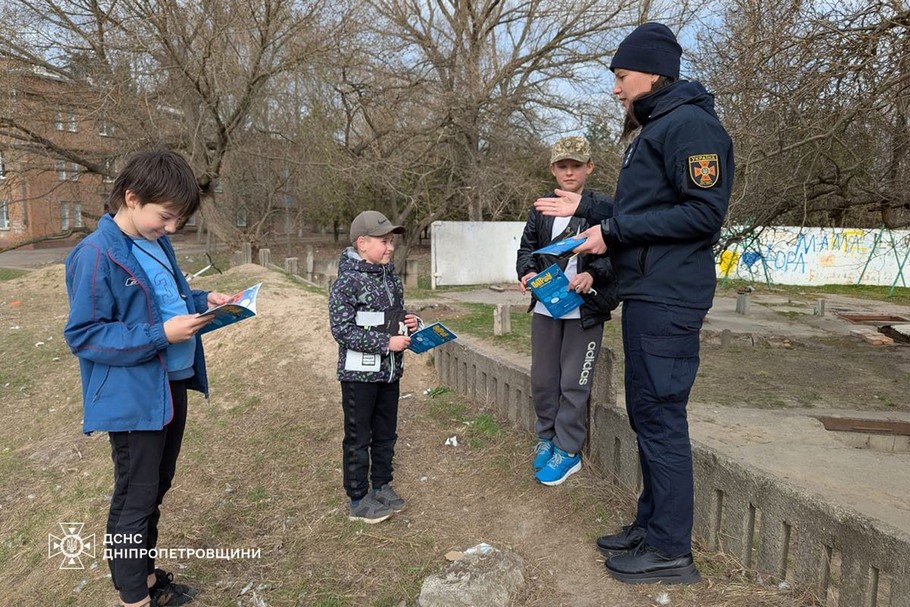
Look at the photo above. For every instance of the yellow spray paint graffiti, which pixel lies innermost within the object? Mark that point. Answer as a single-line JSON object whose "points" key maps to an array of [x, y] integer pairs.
{"points": [[727, 262]]}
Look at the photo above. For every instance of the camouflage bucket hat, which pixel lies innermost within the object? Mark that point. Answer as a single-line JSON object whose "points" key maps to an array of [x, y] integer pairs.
{"points": [[575, 148]]}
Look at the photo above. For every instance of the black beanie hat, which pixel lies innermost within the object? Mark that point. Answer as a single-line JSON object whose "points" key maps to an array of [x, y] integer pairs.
{"points": [[651, 48]]}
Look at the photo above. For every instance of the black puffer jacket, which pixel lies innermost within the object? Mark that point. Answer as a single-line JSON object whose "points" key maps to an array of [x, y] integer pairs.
{"points": [[596, 306]]}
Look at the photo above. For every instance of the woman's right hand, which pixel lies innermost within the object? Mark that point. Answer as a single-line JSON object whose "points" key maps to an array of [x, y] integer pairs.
{"points": [[563, 205]]}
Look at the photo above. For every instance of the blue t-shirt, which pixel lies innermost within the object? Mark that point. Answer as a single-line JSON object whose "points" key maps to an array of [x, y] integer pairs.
{"points": [[157, 266]]}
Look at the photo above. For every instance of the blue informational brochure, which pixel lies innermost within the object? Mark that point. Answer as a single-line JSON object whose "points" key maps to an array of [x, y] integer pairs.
{"points": [[240, 306], [551, 287], [429, 337], [561, 248]]}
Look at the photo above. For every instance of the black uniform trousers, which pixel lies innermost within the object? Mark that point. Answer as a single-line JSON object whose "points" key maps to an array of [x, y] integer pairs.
{"points": [[661, 345], [370, 432], [144, 467]]}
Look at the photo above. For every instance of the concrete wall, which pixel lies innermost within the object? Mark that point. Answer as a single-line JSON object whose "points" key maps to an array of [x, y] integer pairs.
{"points": [[818, 256], [473, 253], [777, 530]]}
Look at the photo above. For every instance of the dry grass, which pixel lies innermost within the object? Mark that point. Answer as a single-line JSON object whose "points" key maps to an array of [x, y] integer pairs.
{"points": [[260, 469]]}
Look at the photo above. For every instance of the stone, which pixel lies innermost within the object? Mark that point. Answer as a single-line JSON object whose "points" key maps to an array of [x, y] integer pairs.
{"points": [[488, 578]]}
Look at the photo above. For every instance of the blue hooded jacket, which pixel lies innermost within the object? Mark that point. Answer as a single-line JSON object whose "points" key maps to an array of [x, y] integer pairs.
{"points": [[671, 199], [116, 330]]}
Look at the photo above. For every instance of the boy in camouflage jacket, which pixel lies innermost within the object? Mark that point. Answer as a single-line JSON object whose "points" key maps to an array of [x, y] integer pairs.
{"points": [[366, 313]]}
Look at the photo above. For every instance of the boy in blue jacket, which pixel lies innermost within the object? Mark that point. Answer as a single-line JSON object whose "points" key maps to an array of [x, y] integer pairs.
{"points": [[366, 312], [133, 322]]}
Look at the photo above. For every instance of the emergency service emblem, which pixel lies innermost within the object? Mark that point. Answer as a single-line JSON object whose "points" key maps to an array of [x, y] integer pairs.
{"points": [[704, 169]]}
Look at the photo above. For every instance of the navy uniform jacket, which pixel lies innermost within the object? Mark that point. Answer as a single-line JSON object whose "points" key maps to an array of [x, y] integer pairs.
{"points": [[671, 199]]}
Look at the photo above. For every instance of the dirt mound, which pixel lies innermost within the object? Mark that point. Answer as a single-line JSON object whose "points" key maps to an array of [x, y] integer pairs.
{"points": [[260, 475]]}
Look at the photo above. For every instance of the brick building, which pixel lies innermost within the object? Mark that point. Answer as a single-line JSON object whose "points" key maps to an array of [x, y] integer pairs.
{"points": [[42, 194]]}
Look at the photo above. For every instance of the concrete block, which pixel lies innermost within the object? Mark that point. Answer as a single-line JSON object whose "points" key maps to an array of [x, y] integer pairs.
{"points": [[309, 260], [492, 578], [742, 303], [773, 535], [502, 319], [855, 582], [881, 442], [290, 266]]}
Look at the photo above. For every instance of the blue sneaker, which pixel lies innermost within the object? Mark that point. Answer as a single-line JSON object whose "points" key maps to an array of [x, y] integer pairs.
{"points": [[560, 467], [543, 451]]}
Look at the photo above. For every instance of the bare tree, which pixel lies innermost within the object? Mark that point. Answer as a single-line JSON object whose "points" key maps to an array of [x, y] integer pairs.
{"points": [[450, 104], [815, 97], [195, 77]]}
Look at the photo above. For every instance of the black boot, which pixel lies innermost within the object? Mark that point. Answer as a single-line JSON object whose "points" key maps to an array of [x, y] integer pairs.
{"points": [[627, 539], [647, 565]]}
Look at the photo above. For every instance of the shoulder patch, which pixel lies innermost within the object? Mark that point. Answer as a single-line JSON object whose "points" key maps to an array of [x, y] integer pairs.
{"points": [[704, 170]]}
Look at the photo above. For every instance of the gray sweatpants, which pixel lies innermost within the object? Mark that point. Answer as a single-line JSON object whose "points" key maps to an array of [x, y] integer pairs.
{"points": [[563, 356]]}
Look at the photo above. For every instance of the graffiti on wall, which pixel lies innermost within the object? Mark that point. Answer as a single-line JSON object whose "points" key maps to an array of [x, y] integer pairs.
{"points": [[816, 256]]}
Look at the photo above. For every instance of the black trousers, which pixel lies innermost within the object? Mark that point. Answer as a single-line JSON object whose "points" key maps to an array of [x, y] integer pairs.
{"points": [[661, 345], [370, 426], [144, 466]]}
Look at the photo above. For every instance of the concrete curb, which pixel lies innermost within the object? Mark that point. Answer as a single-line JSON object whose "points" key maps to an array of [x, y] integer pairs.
{"points": [[775, 529]]}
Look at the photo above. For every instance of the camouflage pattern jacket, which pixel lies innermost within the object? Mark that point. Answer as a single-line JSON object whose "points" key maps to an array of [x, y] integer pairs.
{"points": [[364, 289]]}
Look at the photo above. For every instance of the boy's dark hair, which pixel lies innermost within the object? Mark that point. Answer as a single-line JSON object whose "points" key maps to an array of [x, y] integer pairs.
{"points": [[156, 177]]}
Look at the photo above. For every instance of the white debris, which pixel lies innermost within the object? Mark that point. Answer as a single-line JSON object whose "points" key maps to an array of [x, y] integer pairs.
{"points": [[482, 548], [663, 599], [39, 344], [452, 440]]}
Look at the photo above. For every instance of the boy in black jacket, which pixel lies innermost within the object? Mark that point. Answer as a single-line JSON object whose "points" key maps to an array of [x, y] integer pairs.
{"points": [[564, 350], [366, 312]]}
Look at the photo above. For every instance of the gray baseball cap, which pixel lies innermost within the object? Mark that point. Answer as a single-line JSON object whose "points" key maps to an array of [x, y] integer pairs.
{"points": [[373, 223]]}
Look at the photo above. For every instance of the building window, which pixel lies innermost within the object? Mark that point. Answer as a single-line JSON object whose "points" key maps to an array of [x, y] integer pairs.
{"points": [[72, 122], [77, 215], [105, 129], [241, 218], [64, 216], [2, 166], [74, 171], [4, 215], [61, 170], [58, 121], [191, 221], [108, 170]]}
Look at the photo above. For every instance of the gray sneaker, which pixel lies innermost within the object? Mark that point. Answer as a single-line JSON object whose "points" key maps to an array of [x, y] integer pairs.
{"points": [[386, 495], [369, 510]]}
